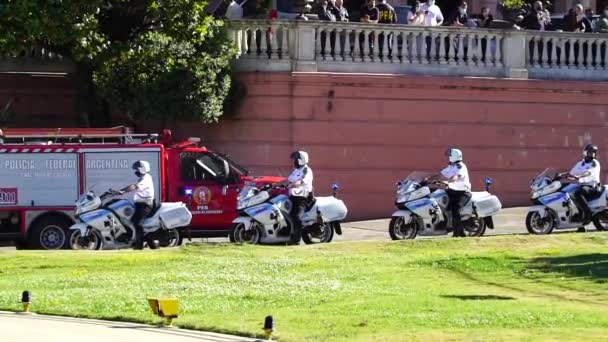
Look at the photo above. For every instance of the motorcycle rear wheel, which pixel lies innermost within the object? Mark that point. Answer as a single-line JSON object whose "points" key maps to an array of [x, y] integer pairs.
{"points": [[399, 230], [600, 222], [170, 238], [477, 231], [325, 234]]}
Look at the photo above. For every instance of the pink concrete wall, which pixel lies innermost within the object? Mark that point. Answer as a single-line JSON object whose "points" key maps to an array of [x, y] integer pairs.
{"points": [[366, 132]]}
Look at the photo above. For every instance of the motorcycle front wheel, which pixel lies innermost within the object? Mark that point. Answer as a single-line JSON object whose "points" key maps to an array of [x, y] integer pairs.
{"points": [[91, 242], [399, 230], [538, 225], [242, 235], [323, 233]]}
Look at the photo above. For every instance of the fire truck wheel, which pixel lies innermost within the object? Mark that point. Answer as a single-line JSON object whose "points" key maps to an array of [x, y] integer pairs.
{"points": [[50, 232]]}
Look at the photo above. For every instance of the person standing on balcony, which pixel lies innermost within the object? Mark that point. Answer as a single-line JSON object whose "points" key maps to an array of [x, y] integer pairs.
{"points": [[602, 24], [459, 18], [387, 16], [485, 20], [416, 18], [369, 14], [537, 19], [326, 13], [432, 17], [341, 14]]}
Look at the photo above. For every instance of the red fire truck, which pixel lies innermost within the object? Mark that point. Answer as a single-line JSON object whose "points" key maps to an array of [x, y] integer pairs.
{"points": [[43, 171]]}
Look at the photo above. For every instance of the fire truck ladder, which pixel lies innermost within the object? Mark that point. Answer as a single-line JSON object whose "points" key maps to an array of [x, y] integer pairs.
{"points": [[49, 136]]}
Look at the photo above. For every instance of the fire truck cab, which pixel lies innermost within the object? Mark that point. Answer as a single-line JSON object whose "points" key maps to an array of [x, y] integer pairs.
{"points": [[43, 171]]}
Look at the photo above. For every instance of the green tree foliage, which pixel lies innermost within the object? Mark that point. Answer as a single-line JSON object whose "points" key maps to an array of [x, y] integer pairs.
{"points": [[159, 59]]}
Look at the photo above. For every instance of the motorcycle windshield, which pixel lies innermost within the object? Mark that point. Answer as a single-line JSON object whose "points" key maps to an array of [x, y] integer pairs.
{"points": [[413, 181], [545, 177], [418, 176]]}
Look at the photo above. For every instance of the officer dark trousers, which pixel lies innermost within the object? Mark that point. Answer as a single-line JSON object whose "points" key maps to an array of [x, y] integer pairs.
{"points": [[298, 206], [581, 195], [457, 200], [142, 210]]}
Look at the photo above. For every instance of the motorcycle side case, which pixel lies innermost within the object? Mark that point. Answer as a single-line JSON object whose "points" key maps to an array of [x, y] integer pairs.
{"points": [[331, 208], [175, 216], [487, 206]]}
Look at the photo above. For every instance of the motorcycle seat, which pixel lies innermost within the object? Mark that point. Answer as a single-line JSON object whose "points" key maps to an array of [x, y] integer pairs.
{"points": [[597, 193]]}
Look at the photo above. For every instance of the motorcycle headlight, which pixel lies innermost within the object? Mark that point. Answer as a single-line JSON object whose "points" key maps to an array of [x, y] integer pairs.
{"points": [[403, 197], [535, 194], [242, 204]]}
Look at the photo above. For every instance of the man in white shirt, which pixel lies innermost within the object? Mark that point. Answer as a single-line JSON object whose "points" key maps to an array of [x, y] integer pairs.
{"points": [[143, 198], [300, 190], [587, 173], [432, 13], [459, 187], [432, 17]]}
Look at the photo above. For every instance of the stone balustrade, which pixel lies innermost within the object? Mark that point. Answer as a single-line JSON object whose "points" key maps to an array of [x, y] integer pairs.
{"points": [[398, 49]]}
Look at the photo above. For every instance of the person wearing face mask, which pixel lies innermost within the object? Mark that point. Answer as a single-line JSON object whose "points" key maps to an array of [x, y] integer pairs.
{"points": [[458, 190], [143, 198], [300, 191], [587, 173]]}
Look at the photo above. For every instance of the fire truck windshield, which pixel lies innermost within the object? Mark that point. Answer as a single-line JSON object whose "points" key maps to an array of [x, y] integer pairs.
{"points": [[240, 169]]}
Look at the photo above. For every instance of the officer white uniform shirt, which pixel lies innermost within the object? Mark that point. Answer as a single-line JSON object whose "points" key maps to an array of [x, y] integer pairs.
{"points": [[582, 167], [433, 16], [304, 174], [460, 184], [144, 192]]}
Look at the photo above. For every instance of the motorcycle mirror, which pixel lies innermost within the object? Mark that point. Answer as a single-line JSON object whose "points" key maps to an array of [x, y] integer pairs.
{"points": [[335, 187]]}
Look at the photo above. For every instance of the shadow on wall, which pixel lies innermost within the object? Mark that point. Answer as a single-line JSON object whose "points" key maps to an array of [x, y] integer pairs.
{"points": [[591, 266]]}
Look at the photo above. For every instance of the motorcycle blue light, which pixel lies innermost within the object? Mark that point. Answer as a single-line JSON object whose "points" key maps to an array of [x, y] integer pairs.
{"points": [[188, 191]]}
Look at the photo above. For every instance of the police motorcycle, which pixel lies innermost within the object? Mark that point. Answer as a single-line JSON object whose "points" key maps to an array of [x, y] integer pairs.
{"points": [[104, 222], [555, 208], [264, 217], [422, 209]]}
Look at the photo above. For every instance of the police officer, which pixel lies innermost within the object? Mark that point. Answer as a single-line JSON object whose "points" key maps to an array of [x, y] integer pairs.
{"points": [[143, 198], [587, 173], [300, 188], [459, 187], [387, 16]]}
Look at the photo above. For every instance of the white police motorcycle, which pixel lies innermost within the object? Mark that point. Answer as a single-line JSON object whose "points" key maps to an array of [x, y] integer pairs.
{"points": [[422, 209], [264, 217], [104, 222], [555, 207]]}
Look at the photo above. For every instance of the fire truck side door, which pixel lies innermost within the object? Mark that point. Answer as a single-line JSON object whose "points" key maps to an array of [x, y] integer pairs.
{"points": [[213, 187]]}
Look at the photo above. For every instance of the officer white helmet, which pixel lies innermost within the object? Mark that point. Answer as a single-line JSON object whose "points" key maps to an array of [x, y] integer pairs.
{"points": [[300, 158], [141, 167], [454, 155]]}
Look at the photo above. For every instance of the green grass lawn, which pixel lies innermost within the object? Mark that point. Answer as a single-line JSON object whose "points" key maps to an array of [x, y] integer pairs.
{"points": [[495, 288]]}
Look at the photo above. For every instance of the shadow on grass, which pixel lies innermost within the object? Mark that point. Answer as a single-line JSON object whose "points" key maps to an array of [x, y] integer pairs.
{"points": [[592, 266], [478, 297]]}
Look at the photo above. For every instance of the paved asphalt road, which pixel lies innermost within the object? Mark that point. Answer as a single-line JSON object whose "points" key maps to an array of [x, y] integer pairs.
{"points": [[509, 221], [34, 328]]}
